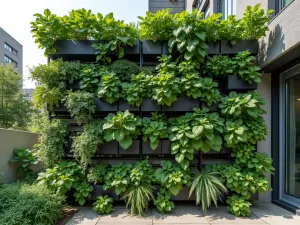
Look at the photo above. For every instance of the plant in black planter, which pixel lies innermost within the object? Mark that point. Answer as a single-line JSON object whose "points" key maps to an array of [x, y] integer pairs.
{"points": [[166, 88], [138, 88], [209, 91], [124, 69], [189, 37], [230, 29], [85, 145], [245, 68], [90, 77], [192, 84], [235, 133], [97, 173], [166, 65], [81, 105], [157, 26], [171, 177], [188, 67], [256, 129], [122, 127], [110, 87], [218, 66], [43, 95], [154, 128]]}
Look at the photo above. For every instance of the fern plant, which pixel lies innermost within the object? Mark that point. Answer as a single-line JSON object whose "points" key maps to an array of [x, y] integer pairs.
{"points": [[208, 188]]}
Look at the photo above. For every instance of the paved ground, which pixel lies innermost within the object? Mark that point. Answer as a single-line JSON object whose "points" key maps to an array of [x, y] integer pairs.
{"points": [[188, 215]]}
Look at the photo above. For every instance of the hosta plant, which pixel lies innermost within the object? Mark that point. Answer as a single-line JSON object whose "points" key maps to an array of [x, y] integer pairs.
{"points": [[208, 189], [189, 37], [81, 105], [154, 128], [122, 127], [82, 191], [246, 105], [118, 177], [85, 145], [110, 87], [103, 205], [166, 88], [138, 88], [238, 205], [163, 201], [171, 177], [157, 26], [97, 173]]}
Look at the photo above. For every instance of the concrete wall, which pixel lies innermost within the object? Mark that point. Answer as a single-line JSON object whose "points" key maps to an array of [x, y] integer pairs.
{"points": [[176, 6], [5, 37], [9, 140]]}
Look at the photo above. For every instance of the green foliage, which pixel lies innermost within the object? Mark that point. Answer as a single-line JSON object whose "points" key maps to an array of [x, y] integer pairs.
{"points": [[171, 177], [109, 88], [122, 127], [255, 22], [235, 133], [97, 173], [157, 26], [103, 205], [243, 65], [82, 191], [219, 66], [118, 177], [189, 37], [15, 111], [163, 202], [238, 206], [52, 141], [138, 197], [242, 154], [30, 204], [210, 92], [154, 128], [166, 88], [246, 105], [90, 76], [208, 188], [166, 65], [124, 69], [81, 105], [256, 130], [137, 89], [43, 96], [141, 173], [188, 66], [230, 29], [192, 84], [85, 145], [25, 158]]}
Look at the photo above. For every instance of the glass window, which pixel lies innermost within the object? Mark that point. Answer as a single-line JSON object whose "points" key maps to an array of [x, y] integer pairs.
{"points": [[227, 8], [10, 49], [284, 3], [292, 136], [9, 60]]}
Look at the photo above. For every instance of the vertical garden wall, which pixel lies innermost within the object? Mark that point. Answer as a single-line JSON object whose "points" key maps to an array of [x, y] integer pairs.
{"points": [[170, 104]]}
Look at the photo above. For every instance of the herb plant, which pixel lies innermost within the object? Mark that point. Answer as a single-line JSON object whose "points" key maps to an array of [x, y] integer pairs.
{"points": [[90, 76], [124, 69], [109, 88], [208, 188], [238, 206], [97, 173], [153, 129], [218, 66], [81, 105], [166, 65], [122, 127], [103, 205]]}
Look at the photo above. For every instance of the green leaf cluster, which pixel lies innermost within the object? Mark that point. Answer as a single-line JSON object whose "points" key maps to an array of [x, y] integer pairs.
{"points": [[141, 173], [171, 177], [110, 87], [90, 76], [163, 201], [81, 105], [103, 205], [82, 191], [124, 69], [122, 127], [154, 128], [97, 173], [238, 206]]}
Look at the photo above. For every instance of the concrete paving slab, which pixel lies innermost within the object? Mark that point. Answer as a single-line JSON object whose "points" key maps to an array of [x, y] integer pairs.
{"points": [[180, 215], [221, 216], [120, 215], [85, 216], [274, 215]]}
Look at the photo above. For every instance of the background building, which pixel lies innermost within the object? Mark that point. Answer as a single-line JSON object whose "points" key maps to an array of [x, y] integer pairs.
{"points": [[11, 51], [175, 5], [28, 93]]}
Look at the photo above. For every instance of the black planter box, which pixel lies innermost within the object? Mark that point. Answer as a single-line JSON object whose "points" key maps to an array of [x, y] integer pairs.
{"points": [[102, 105], [99, 191], [134, 149], [108, 148], [165, 147], [154, 48], [60, 108], [183, 195], [182, 104], [68, 148], [123, 105], [214, 48], [212, 108], [150, 105], [147, 150], [235, 82], [251, 45]]}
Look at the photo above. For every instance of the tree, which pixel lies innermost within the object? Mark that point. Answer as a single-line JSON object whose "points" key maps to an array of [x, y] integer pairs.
{"points": [[15, 111]]}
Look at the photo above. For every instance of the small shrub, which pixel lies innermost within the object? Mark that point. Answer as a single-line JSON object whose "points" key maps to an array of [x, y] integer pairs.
{"points": [[97, 173], [163, 202], [103, 205], [124, 69], [238, 206]]}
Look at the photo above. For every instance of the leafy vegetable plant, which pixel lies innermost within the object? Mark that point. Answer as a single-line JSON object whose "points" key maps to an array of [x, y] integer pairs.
{"points": [[122, 127], [97, 173], [163, 202], [110, 88], [238, 206], [124, 69], [103, 205], [82, 191], [90, 76], [218, 66]]}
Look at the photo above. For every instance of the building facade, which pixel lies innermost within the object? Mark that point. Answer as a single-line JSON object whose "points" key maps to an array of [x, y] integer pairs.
{"points": [[11, 51], [175, 5]]}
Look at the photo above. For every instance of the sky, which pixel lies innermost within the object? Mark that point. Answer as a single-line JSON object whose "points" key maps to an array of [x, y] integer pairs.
{"points": [[15, 18]]}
